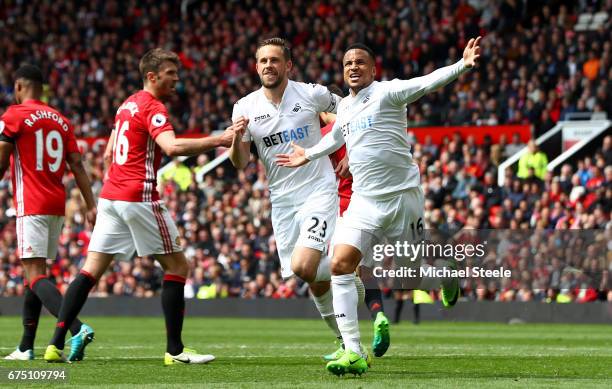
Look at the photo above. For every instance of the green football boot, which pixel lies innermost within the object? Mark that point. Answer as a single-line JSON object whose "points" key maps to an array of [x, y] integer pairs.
{"points": [[54, 355], [450, 289], [340, 352], [382, 338], [350, 362], [336, 354]]}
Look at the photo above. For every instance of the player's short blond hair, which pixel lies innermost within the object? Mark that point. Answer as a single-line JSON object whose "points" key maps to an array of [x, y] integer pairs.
{"points": [[279, 42], [153, 59]]}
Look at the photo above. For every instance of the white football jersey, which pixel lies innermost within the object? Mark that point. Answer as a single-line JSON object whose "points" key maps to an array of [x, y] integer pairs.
{"points": [[273, 128], [373, 125]]}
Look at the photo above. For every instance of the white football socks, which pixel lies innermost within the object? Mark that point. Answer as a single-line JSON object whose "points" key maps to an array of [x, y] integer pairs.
{"points": [[325, 306], [345, 307]]}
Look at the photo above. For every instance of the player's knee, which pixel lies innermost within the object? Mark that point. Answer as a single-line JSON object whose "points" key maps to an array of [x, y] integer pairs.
{"points": [[303, 271], [340, 267], [178, 272], [175, 264], [97, 263], [35, 267], [179, 268]]}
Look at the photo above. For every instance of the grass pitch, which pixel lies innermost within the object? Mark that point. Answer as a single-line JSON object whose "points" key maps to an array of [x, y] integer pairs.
{"points": [[287, 353]]}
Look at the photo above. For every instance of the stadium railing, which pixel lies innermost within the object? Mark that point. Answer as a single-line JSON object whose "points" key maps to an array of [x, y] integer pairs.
{"points": [[590, 132], [564, 141]]}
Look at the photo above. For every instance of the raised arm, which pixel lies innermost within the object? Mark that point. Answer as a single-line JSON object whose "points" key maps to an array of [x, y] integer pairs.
{"points": [[408, 91]]}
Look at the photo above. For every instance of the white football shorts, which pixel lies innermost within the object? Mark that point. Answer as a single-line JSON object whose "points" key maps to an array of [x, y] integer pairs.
{"points": [[311, 224], [123, 226], [38, 235], [369, 221]]}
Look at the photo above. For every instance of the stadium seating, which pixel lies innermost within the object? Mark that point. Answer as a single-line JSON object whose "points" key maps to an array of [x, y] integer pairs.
{"points": [[538, 65]]}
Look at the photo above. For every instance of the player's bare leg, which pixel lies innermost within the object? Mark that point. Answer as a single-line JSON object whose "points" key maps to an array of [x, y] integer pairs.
{"points": [[97, 263], [344, 263], [173, 304], [76, 296], [305, 264]]}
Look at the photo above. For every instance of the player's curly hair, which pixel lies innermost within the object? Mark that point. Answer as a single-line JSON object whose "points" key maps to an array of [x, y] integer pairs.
{"points": [[280, 42], [153, 59], [30, 74]]}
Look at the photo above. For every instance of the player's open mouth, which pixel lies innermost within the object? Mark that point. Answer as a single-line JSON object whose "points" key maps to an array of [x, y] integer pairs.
{"points": [[354, 76]]}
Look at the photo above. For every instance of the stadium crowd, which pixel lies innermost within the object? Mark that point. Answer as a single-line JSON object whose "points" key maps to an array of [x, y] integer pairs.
{"points": [[535, 69]]}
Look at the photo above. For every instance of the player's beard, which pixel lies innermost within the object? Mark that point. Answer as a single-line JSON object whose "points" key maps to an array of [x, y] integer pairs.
{"points": [[166, 92], [274, 84]]}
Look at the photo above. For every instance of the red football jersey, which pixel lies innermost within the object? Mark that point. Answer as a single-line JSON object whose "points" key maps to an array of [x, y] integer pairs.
{"points": [[132, 175], [345, 185], [43, 138]]}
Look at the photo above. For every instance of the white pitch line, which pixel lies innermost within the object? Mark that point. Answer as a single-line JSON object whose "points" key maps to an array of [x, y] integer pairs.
{"points": [[396, 347]]}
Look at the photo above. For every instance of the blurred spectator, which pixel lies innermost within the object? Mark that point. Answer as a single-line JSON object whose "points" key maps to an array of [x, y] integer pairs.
{"points": [[535, 69], [179, 173], [513, 147], [532, 163]]}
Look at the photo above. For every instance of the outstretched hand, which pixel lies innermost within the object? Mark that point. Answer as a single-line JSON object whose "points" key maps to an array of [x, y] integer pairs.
{"points": [[471, 52], [295, 159]]}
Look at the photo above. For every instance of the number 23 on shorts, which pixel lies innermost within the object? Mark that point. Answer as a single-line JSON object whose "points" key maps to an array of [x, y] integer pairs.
{"points": [[317, 224]]}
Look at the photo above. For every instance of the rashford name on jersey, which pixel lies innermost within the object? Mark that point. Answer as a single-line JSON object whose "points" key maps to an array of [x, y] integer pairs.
{"points": [[46, 114], [43, 138]]}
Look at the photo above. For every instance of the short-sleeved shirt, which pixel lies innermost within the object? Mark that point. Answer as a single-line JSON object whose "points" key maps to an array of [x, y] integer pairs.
{"points": [[43, 138], [273, 128], [132, 175]]}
